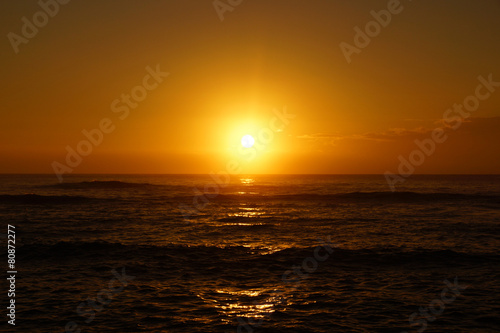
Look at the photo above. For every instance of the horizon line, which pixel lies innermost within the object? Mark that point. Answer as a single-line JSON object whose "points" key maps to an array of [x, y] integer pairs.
{"points": [[254, 174]]}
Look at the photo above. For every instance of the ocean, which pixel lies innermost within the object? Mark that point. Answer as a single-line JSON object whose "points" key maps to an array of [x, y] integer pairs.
{"points": [[253, 253]]}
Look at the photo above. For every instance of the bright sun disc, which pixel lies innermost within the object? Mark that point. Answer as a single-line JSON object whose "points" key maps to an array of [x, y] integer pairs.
{"points": [[247, 141]]}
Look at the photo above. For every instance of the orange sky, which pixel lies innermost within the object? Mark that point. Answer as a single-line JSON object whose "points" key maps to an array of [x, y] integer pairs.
{"points": [[230, 78]]}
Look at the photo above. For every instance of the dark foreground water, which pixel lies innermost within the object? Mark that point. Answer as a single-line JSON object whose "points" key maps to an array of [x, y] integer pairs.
{"points": [[261, 254]]}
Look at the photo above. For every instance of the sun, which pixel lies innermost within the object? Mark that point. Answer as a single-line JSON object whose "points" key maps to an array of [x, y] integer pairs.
{"points": [[247, 141]]}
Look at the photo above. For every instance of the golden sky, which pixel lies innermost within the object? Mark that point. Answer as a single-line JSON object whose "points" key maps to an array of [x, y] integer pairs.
{"points": [[236, 76]]}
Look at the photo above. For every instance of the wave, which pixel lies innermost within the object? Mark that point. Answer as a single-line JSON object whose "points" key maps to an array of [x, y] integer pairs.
{"points": [[207, 254], [35, 199], [486, 201], [98, 184], [368, 196]]}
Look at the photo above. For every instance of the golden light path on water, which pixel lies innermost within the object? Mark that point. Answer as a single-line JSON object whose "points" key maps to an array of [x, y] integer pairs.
{"points": [[251, 215], [227, 303], [246, 211], [253, 303], [247, 181]]}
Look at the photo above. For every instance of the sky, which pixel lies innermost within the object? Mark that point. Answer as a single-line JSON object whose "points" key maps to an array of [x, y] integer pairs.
{"points": [[172, 86]]}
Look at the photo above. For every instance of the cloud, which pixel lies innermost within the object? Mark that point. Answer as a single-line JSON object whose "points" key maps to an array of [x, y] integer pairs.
{"points": [[389, 135], [324, 139], [319, 136], [395, 134], [479, 126]]}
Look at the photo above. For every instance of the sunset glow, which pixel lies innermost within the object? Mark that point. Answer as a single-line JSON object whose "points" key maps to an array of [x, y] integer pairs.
{"points": [[181, 103], [250, 165]]}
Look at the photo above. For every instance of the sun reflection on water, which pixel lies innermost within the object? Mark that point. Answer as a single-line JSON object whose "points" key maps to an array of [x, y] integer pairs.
{"points": [[232, 303], [247, 181]]}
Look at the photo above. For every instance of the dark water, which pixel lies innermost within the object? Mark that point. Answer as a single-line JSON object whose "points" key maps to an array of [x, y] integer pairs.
{"points": [[261, 254]]}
